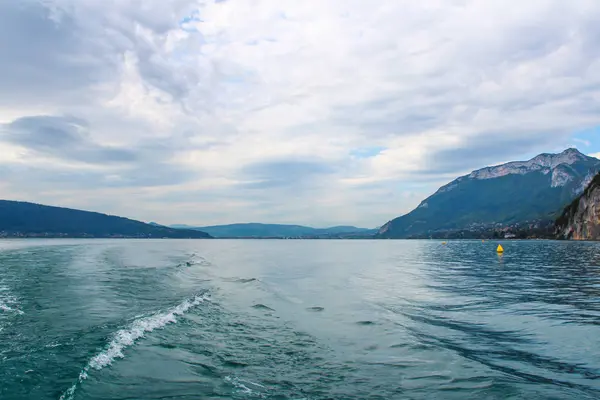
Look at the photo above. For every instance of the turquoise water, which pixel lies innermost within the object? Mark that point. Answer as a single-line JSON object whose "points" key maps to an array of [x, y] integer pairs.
{"points": [[120, 319]]}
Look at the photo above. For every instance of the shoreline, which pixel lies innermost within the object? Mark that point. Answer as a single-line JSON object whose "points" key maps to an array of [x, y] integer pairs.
{"points": [[24, 238]]}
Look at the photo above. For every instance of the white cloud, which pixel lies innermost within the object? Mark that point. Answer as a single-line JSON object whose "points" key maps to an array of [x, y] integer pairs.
{"points": [[252, 110]]}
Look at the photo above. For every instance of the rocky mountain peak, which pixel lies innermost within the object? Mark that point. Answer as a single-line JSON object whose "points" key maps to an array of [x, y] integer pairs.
{"points": [[569, 156], [544, 163]]}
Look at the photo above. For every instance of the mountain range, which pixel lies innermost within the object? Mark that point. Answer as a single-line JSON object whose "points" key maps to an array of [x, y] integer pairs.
{"points": [[516, 192], [258, 230], [21, 219], [525, 196]]}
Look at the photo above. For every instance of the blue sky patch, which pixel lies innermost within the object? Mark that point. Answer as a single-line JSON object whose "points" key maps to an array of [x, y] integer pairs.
{"points": [[367, 152], [588, 141], [187, 23]]}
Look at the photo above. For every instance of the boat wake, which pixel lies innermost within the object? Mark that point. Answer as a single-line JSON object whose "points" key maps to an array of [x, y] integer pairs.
{"points": [[128, 336]]}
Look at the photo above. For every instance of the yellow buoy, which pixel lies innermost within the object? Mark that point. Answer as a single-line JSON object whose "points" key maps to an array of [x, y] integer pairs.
{"points": [[443, 242], [500, 249]]}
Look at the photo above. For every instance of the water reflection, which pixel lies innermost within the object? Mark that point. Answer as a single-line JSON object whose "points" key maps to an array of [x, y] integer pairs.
{"points": [[512, 312]]}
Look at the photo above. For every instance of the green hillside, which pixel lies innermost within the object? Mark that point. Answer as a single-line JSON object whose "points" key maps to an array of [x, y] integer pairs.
{"points": [[21, 219]]}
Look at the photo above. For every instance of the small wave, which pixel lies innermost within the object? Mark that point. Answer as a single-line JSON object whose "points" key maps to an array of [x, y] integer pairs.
{"points": [[240, 280], [245, 280], [246, 387], [8, 303], [412, 346], [127, 337], [191, 263], [6, 308], [262, 307], [316, 309], [193, 260]]}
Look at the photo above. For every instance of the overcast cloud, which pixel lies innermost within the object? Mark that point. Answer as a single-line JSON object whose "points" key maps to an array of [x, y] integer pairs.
{"points": [[310, 112]]}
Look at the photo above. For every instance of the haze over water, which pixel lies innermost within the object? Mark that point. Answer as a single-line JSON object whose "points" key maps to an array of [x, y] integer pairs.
{"points": [[120, 319]]}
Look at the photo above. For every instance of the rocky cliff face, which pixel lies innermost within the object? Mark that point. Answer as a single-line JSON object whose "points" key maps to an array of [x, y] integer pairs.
{"points": [[581, 219]]}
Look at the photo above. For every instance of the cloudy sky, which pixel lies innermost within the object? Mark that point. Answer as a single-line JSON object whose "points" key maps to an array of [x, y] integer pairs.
{"points": [[316, 112]]}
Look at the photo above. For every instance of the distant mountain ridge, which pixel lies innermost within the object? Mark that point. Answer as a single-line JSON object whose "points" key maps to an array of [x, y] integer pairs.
{"points": [[514, 192], [22, 219], [258, 230]]}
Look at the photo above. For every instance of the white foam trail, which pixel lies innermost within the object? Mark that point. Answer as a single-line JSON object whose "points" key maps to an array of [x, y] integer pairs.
{"points": [[127, 337]]}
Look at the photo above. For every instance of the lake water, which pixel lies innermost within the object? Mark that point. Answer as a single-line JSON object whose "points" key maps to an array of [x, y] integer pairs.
{"points": [[283, 319]]}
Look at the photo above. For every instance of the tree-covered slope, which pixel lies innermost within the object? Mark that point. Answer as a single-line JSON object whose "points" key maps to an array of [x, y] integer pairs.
{"points": [[28, 219]]}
